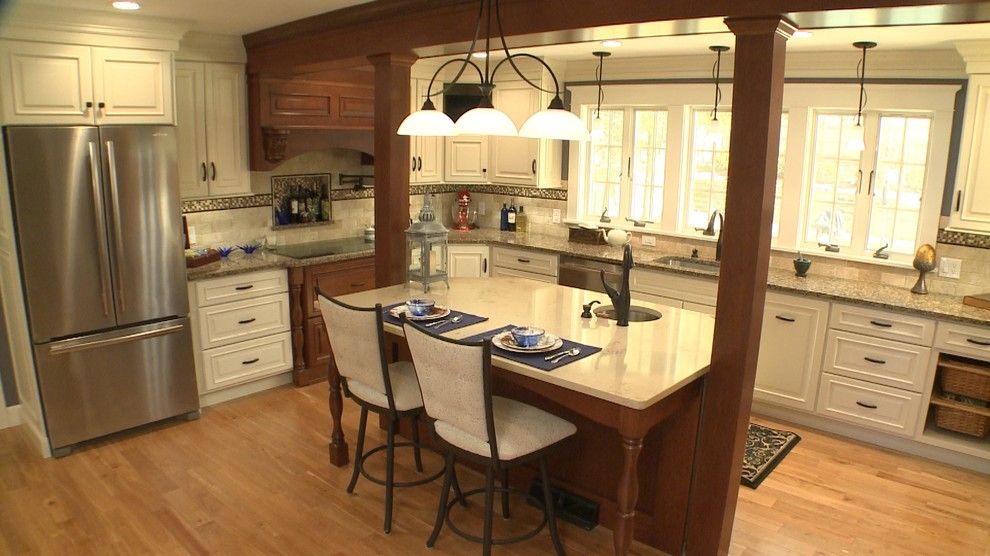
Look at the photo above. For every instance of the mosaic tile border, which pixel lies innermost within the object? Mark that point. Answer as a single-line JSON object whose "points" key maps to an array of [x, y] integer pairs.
{"points": [[964, 239], [226, 203], [522, 191]]}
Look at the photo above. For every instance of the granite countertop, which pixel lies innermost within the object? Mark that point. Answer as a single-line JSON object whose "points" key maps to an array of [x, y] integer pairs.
{"points": [[632, 370], [341, 249]]}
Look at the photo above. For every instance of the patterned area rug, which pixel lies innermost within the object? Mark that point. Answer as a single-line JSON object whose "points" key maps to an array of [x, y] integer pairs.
{"points": [[765, 448]]}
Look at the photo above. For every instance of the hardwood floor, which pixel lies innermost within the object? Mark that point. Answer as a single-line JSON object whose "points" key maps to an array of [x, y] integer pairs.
{"points": [[251, 477]]}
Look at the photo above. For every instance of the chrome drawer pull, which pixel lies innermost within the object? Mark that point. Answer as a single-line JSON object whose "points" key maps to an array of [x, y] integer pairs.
{"points": [[881, 324], [783, 318], [978, 342], [247, 321], [867, 405], [250, 361], [242, 288], [877, 361]]}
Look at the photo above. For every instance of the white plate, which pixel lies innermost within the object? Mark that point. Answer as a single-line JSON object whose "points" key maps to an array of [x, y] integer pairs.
{"points": [[548, 342], [439, 312]]}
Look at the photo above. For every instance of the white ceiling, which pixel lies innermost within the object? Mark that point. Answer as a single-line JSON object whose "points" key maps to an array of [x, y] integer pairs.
{"points": [[228, 17]]}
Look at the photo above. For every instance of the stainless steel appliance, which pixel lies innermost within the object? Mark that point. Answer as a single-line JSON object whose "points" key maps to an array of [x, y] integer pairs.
{"points": [[99, 233], [586, 274]]}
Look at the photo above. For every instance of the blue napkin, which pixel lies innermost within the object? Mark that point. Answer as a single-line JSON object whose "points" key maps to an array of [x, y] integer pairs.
{"points": [[537, 360], [467, 319]]}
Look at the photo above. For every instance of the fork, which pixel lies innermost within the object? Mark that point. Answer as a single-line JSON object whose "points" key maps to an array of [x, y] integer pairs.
{"points": [[443, 322]]}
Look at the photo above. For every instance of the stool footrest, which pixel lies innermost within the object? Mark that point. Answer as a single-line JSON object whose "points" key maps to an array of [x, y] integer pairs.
{"points": [[503, 540], [417, 482]]}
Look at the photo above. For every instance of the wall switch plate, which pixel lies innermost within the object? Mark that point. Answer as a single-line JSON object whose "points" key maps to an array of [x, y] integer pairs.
{"points": [[481, 208], [649, 241], [192, 235], [555, 218], [949, 268]]}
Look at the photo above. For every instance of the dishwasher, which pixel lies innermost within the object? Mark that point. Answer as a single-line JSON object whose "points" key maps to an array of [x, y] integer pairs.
{"points": [[586, 274]]}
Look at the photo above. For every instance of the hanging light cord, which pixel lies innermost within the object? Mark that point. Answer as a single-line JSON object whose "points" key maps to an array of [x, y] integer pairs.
{"points": [[601, 93], [861, 73], [716, 73]]}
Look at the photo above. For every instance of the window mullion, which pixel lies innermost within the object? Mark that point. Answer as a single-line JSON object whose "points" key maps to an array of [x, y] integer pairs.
{"points": [[864, 199], [625, 185]]}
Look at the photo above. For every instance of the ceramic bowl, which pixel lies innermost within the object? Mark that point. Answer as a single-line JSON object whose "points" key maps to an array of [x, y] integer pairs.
{"points": [[420, 307], [527, 336]]}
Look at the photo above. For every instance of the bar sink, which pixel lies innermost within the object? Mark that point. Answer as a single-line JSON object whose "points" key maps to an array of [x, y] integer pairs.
{"points": [[636, 313], [708, 266]]}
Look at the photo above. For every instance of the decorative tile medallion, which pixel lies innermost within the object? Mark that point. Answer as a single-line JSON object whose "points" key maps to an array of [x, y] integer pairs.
{"points": [[226, 203], [309, 186], [964, 239]]}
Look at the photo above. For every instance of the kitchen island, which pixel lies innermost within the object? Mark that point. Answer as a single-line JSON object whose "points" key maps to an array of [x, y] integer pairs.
{"points": [[635, 403]]}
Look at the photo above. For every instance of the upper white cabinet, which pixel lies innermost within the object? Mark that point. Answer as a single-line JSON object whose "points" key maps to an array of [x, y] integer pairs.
{"points": [[516, 159], [211, 113], [426, 165], [65, 84], [971, 200], [466, 159]]}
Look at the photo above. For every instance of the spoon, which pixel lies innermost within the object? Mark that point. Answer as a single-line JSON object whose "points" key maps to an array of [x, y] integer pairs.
{"points": [[440, 323], [569, 353]]}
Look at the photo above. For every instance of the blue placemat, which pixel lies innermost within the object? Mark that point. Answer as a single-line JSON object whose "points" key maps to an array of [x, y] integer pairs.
{"points": [[467, 319], [536, 359]]}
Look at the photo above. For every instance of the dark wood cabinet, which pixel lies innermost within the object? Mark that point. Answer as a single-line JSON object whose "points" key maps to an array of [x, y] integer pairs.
{"points": [[311, 352]]}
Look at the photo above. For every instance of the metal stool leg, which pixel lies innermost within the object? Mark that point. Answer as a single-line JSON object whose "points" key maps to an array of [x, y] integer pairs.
{"points": [[489, 495], [457, 490], [505, 493], [549, 507], [448, 478], [415, 439], [358, 451], [389, 473]]}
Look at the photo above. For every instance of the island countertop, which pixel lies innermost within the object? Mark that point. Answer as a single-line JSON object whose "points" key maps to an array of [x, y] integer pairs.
{"points": [[638, 366]]}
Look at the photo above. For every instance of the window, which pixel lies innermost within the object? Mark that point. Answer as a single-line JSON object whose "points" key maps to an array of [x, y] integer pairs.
{"points": [[650, 158], [606, 164], [902, 156], [836, 177]]}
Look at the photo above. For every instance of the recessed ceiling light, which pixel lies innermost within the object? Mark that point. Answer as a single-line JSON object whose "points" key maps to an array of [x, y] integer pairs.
{"points": [[611, 44], [479, 55], [125, 5], [802, 34]]}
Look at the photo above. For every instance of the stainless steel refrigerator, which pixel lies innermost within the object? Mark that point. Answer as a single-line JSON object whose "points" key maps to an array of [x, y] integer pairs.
{"points": [[99, 234]]}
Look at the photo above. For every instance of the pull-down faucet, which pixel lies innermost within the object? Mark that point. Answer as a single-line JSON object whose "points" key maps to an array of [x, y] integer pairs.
{"points": [[710, 231]]}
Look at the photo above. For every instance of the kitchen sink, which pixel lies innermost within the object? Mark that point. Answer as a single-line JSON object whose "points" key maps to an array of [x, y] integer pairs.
{"points": [[636, 313], [690, 263]]}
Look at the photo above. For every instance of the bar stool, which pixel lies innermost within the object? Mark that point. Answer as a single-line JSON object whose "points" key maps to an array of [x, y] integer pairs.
{"points": [[357, 339], [455, 378]]}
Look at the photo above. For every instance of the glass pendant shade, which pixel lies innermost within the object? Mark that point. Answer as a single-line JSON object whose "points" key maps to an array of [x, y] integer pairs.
{"points": [[597, 130], [555, 123], [856, 142], [427, 122], [485, 121]]}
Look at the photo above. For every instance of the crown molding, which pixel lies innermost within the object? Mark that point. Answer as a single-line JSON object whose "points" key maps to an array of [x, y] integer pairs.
{"points": [[976, 55], [91, 28], [209, 47]]}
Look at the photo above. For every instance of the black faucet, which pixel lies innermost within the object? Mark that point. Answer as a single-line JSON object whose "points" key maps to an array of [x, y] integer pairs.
{"points": [[710, 231], [622, 298]]}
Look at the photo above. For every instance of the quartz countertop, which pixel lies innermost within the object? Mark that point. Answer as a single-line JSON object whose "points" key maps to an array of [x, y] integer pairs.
{"points": [[638, 366]]}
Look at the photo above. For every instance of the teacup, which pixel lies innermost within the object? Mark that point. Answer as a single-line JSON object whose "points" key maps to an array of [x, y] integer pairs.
{"points": [[527, 336], [420, 307]]}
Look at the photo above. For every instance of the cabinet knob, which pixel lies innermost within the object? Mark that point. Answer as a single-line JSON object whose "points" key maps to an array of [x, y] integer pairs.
{"points": [[101, 105], [89, 104]]}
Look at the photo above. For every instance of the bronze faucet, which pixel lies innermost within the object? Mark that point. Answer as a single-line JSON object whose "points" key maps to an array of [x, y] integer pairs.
{"points": [[622, 298]]}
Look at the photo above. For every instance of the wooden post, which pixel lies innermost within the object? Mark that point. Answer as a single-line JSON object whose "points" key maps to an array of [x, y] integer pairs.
{"points": [[757, 90], [391, 166]]}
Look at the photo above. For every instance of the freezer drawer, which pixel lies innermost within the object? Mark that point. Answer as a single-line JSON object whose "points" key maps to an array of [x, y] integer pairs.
{"points": [[102, 383]]}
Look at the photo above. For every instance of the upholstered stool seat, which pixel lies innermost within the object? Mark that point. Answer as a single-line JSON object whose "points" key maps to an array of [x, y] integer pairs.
{"points": [[405, 389]]}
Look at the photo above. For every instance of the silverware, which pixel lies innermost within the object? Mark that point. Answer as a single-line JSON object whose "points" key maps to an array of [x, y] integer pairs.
{"points": [[555, 355], [440, 323], [569, 353]]}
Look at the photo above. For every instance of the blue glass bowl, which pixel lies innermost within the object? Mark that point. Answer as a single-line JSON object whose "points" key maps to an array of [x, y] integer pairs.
{"points": [[225, 251], [250, 248], [527, 336], [420, 307]]}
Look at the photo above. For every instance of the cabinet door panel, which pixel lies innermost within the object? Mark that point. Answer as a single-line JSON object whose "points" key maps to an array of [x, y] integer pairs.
{"points": [[514, 159], [791, 351], [226, 129], [467, 261], [46, 83], [467, 159], [972, 210], [135, 86], [190, 120]]}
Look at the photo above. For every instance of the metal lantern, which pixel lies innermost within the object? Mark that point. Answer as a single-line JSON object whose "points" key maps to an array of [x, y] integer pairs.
{"points": [[426, 248]]}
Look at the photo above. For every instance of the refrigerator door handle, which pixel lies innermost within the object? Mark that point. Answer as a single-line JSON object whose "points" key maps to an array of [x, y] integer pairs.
{"points": [[101, 231], [70, 346], [115, 213]]}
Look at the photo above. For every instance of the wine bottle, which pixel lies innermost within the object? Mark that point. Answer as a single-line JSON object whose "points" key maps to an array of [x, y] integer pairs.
{"points": [[512, 215], [503, 219], [325, 204], [522, 221]]}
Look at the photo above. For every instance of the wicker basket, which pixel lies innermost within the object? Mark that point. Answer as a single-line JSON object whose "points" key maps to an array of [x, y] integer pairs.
{"points": [[965, 379], [957, 417]]}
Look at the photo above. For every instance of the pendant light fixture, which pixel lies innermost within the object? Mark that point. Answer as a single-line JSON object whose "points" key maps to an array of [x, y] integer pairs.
{"points": [[717, 75], [858, 142], [597, 125], [552, 123]]}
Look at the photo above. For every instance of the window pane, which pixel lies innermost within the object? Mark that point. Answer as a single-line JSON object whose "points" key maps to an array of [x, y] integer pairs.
{"points": [[779, 188], [649, 157], [708, 166], [605, 160], [835, 178], [898, 182]]}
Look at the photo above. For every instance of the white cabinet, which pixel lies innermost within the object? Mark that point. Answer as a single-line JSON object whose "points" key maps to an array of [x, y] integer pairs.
{"points": [[466, 159], [515, 159], [426, 165], [66, 84], [467, 261], [211, 117], [240, 328], [791, 350], [524, 263], [971, 200], [862, 403]]}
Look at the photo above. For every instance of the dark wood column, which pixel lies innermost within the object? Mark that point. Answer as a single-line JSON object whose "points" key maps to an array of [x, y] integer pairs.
{"points": [[757, 89], [391, 166]]}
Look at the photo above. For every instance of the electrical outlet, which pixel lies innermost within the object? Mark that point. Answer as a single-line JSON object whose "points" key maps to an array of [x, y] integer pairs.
{"points": [[949, 268], [556, 216], [649, 241], [192, 235], [481, 208]]}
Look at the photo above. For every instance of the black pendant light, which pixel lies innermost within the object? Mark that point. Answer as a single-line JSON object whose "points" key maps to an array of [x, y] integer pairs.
{"points": [[861, 74], [716, 75], [596, 124]]}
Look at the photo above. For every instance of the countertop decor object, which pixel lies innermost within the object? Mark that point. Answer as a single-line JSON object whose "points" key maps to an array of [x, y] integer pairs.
{"points": [[924, 262], [527, 336], [200, 257], [801, 266], [555, 122], [420, 307], [981, 300], [225, 250], [426, 248]]}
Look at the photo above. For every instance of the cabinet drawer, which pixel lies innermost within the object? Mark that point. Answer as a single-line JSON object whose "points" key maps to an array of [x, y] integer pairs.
{"points": [[245, 361], [884, 324], [500, 271], [529, 261], [333, 279], [967, 340], [869, 405], [874, 360], [694, 290], [241, 286], [242, 320]]}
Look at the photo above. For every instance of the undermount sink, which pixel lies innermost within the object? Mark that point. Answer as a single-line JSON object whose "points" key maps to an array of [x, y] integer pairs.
{"points": [[690, 263], [636, 313]]}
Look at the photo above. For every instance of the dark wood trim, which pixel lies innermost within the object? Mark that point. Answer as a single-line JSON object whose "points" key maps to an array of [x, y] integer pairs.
{"points": [[753, 148]]}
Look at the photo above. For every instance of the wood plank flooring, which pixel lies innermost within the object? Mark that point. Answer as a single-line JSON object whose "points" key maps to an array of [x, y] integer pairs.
{"points": [[251, 477]]}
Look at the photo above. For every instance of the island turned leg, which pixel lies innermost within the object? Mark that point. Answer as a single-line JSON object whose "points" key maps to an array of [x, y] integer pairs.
{"points": [[628, 495], [338, 447]]}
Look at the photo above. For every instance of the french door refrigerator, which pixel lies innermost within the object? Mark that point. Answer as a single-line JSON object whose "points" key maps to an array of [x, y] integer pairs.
{"points": [[99, 234]]}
